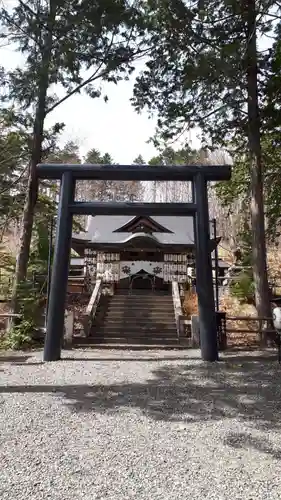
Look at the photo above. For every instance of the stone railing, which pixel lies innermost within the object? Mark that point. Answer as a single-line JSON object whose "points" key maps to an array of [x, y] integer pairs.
{"points": [[92, 308], [68, 329], [177, 307]]}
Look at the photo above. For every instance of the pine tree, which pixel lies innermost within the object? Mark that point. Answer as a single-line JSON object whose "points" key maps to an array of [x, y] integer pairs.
{"points": [[15, 148], [173, 191], [13, 164], [108, 190], [139, 160]]}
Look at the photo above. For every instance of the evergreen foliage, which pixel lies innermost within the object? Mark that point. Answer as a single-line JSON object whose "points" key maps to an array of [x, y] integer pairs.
{"points": [[206, 70]]}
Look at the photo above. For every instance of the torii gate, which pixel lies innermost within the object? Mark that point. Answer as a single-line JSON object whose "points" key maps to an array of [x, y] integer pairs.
{"points": [[199, 175]]}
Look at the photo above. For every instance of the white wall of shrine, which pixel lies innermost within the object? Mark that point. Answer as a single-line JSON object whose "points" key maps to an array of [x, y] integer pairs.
{"points": [[169, 272], [109, 268], [128, 268]]}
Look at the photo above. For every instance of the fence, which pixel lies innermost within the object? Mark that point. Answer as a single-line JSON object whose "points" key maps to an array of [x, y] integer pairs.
{"points": [[253, 333], [235, 331]]}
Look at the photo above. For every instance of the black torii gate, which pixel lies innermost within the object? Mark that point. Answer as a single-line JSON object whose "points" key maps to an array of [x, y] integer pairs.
{"points": [[199, 175]]}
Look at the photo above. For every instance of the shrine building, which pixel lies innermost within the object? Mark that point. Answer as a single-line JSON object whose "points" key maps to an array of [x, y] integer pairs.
{"points": [[139, 252]]}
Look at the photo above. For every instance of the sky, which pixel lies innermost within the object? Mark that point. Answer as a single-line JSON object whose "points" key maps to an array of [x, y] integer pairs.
{"points": [[112, 127]]}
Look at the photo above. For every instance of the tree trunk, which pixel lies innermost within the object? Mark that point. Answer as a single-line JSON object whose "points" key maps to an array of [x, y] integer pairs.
{"points": [[256, 169], [36, 154]]}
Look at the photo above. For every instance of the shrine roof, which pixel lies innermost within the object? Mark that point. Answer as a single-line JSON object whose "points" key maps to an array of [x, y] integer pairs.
{"points": [[106, 229]]}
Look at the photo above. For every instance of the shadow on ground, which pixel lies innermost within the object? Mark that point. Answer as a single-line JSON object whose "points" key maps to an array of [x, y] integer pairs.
{"points": [[19, 361], [247, 441], [269, 357], [238, 387], [14, 359]]}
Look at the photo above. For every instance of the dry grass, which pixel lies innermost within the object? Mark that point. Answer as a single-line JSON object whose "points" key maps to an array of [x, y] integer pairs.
{"points": [[234, 308], [225, 253], [274, 268], [190, 303]]}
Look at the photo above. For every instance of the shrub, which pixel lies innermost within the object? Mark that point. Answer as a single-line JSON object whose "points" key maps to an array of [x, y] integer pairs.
{"points": [[243, 287], [21, 333], [19, 336]]}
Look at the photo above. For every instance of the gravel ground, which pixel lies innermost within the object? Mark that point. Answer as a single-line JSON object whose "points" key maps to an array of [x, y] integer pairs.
{"points": [[140, 425]]}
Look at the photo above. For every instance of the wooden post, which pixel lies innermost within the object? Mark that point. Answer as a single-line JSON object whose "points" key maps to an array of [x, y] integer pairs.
{"points": [[204, 274], [55, 318]]}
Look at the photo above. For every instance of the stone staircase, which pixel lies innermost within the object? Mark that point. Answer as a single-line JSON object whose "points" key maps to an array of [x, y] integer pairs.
{"points": [[143, 318]]}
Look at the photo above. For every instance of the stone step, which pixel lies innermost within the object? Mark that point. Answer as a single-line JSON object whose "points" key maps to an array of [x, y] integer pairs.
{"points": [[76, 269], [141, 324], [148, 323], [140, 313], [163, 298], [127, 332], [99, 332], [140, 291], [75, 288], [131, 340], [76, 279], [141, 302], [144, 294], [137, 320], [82, 343], [143, 298], [136, 326], [139, 305], [128, 312]]}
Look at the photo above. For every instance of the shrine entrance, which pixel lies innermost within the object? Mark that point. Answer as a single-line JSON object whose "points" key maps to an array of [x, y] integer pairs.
{"points": [[198, 175], [142, 281]]}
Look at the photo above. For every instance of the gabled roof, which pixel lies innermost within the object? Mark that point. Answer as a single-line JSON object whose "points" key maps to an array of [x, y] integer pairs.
{"points": [[107, 229], [141, 223]]}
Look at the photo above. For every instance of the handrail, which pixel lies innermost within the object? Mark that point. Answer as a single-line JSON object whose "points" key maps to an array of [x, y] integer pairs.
{"points": [[248, 318], [177, 307], [92, 307]]}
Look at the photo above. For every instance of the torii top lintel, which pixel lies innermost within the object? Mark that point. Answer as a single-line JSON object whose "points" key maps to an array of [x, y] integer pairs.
{"points": [[135, 172]]}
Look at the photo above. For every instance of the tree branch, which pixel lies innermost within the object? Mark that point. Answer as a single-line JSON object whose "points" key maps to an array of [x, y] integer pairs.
{"points": [[91, 79], [15, 182], [16, 25]]}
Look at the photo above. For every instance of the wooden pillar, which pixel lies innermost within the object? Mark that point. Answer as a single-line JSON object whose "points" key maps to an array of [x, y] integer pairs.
{"points": [[58, 289], [204, 276]]}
